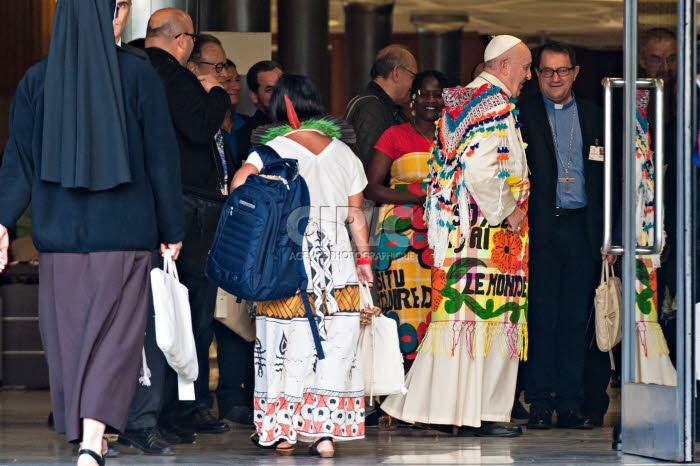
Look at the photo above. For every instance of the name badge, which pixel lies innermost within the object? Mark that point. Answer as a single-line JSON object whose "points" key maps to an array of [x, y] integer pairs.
{"points": [[596, 153]]}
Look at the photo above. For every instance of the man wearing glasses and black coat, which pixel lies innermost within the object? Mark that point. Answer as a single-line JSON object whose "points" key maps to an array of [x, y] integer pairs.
{"points": [[198, 105], [564, 134]]}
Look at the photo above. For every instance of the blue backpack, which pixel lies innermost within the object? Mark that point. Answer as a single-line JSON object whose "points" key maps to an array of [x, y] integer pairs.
{"points": [[256, 254]]}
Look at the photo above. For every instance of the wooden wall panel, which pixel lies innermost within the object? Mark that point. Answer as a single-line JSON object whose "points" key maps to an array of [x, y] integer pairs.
{"points": [[25, 27]]}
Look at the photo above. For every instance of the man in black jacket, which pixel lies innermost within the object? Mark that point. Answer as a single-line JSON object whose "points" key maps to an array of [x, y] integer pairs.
{"points": [[197, 105], [565, 155], [261, 80], [379, 106]]}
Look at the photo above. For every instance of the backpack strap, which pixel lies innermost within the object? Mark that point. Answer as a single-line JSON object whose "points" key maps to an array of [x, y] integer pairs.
{"points": [[312, 319]]}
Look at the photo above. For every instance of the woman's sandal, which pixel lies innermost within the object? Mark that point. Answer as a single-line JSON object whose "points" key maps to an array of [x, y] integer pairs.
{"points": [[282, 450], [327, 453], [387, 422], [86, 451]]}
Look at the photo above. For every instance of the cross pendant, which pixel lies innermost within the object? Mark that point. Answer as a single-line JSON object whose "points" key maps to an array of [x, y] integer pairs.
{"points": [[566, 180]]}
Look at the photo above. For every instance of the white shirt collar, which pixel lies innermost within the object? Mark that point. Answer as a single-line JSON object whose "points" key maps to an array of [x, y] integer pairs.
{"points": [[486, 77]]}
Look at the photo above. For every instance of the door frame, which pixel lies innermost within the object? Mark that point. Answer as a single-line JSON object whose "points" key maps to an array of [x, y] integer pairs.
{"points": [[658, 421]]}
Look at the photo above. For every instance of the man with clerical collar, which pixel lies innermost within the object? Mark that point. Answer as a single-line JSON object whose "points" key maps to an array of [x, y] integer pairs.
{"points": [[476, 209], [564, 134]]}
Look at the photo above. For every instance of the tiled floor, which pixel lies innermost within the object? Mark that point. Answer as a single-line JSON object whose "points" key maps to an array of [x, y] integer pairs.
{"points": [[25, 439]]}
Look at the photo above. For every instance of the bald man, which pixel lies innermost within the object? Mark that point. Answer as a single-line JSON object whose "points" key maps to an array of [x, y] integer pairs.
{"points": [[380, 105], [198, 105]]}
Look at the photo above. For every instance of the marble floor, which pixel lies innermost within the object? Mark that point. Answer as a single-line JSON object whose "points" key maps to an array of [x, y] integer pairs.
{"points": [[25, 439]]}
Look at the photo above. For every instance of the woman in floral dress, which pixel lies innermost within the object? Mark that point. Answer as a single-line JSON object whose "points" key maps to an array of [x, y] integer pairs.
{"points": [[403, 259]]}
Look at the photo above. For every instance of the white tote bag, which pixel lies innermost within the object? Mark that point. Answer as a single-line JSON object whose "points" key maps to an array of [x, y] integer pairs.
{"points": [[608, 311], [380, 356], [174, 334]]}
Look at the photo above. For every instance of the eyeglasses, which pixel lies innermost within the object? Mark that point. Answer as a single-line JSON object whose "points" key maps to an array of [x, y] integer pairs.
{"points": [[549, 72], [407, 70], [658, 61], [218, 67], [194, 37]]}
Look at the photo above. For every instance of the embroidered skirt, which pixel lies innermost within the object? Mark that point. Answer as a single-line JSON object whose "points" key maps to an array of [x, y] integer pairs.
{"points": [[298, 396]]}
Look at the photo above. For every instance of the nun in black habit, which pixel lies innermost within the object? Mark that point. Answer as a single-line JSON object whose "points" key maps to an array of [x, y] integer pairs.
{"points": [[93, 148]]}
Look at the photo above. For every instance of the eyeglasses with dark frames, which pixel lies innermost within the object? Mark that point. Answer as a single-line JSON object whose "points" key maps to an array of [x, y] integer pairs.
{"points": [[561, 72], [218, 67], [195, 37], [407, 70]]}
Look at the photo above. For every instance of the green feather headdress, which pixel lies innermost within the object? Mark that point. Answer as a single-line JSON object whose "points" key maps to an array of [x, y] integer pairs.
{"points": [[333, 127]]}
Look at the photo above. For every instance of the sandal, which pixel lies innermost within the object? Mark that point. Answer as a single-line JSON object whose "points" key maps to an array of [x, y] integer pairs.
{"points": [[387, 422], [284, 451], [327, 453], [85, 451]]}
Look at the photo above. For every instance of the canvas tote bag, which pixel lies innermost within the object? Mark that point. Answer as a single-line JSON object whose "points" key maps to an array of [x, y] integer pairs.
{"points": [[234, 315], [608, 310], [380, 356], [173, 320]]}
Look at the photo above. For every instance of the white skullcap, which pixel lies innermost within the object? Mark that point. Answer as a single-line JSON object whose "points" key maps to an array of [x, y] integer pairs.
{"points": [[499, 45]]}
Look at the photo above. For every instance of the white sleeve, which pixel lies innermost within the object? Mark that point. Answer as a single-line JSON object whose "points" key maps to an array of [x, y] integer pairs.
{"points": [[254, 159], [358, 181]]}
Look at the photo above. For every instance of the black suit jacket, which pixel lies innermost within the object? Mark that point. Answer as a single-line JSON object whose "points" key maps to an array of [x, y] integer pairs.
{"points": [[542, 162]]}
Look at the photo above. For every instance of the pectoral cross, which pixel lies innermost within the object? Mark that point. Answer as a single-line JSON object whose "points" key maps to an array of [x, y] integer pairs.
{"points": [[566, 180]]}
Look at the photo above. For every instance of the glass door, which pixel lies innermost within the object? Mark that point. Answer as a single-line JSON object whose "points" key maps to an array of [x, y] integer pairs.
{"points": [[653, 230]]}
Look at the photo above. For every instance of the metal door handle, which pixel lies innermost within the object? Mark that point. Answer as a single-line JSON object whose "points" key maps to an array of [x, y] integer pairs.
{"points": [[608, 247]]}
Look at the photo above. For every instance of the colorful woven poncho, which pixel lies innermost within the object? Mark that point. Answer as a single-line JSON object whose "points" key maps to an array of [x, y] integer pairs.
{"points": [[650, 335], [478, 174]]}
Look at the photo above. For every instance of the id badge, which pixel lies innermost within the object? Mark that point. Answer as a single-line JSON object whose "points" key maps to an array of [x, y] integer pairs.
{"points": [[596, 153]]}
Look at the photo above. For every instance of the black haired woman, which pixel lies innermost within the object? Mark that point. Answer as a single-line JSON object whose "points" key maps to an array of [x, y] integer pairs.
{"points": [[299, 397], [403, 257]]}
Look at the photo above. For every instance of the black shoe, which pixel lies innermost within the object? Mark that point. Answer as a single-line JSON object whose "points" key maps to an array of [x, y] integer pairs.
{"points": [[540, 418], [372, 419], [175, 436], [49, 421], [596, 420], [240, 415], [111, 452], [571, 419], [148, 440], [201, 420], [519, 413], [491, 429]]}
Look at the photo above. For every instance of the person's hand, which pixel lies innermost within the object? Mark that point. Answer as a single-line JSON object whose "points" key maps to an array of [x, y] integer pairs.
{"points": [[365, 275], [174, 249], [4, 247], [515, 220], [208, 82], [610, 258]]}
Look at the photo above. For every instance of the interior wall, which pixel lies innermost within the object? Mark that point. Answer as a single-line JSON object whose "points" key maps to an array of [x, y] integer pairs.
{"points": [[25, 31]]}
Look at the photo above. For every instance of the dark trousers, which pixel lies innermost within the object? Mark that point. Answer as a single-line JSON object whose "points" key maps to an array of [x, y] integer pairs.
{"points": [[202, 304], [596, 378], [146, 404], [202, 212], [236, 379], [561, 289]]}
